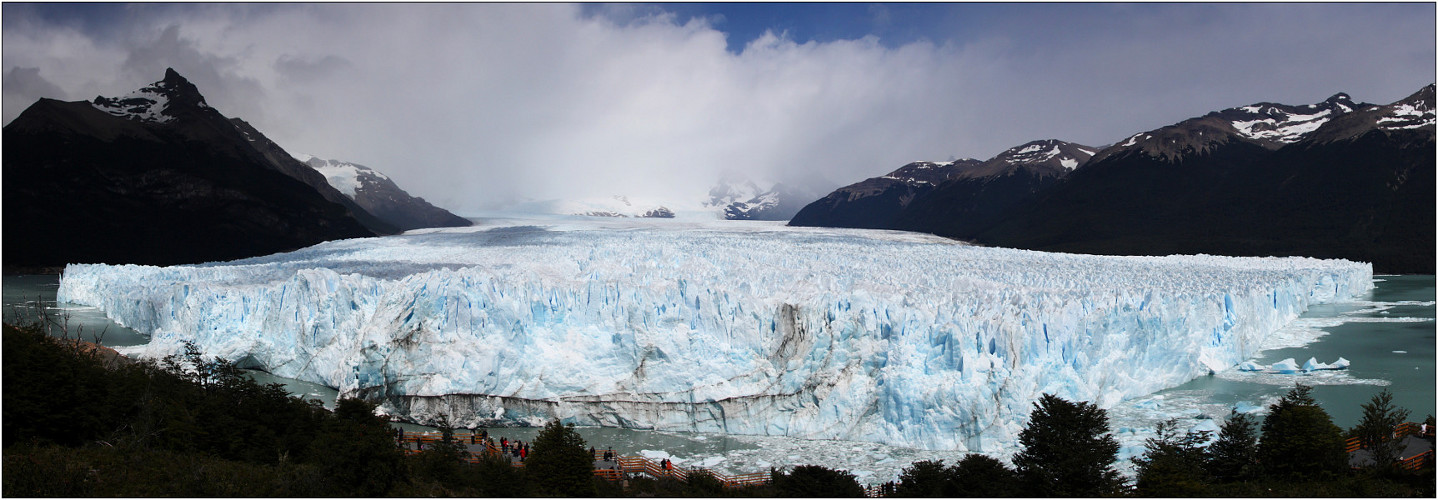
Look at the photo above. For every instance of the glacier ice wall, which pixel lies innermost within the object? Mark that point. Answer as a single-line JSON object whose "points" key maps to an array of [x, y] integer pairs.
{"points": [[879, 336]]}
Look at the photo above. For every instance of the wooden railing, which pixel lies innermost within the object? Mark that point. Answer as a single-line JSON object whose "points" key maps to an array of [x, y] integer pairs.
{"points": [[415, 442], [1414, 462]]}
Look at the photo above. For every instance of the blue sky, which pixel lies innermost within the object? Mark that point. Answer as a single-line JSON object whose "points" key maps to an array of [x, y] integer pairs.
{"points": [[475, 105]]}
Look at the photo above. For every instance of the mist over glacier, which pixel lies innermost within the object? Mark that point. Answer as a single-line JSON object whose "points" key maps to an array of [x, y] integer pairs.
{"points": [[743, 328]]}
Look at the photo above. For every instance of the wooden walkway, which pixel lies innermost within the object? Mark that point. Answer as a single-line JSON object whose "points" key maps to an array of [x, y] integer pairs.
{"points": [[622, 467], [1417, 452]]}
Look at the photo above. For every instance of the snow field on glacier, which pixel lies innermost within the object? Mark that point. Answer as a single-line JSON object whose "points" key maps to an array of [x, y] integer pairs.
{"points": [[740, 328]]}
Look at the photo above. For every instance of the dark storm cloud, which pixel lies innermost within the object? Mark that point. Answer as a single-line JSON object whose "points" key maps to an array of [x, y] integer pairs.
{"points": [[470, 105]]}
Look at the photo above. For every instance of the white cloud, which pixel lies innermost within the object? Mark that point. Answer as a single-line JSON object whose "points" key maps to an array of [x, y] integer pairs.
{"points": [[469, 104]]}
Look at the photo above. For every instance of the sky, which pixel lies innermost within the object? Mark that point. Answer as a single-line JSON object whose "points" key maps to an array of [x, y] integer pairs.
{"points": [[478, 106]]}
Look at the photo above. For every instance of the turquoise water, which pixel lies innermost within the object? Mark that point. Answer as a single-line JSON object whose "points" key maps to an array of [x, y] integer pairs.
{"points": [[1388, 336]]}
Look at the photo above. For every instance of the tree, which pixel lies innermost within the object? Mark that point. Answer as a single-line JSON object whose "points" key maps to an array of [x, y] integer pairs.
{"points": [[816, 481], [1172, 465], [1300, 440], [1067, 450], [559, 462], [1234, 456], [356, 451], [983, 476], [928, 478], [1375, 430]]}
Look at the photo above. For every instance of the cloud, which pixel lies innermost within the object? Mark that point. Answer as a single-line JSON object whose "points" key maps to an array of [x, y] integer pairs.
{"points": [[21, 83], [470, 105]]}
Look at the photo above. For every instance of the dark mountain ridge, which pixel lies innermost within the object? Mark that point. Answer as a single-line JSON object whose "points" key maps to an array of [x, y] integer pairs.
{"points": [[1335, 179], [155, 177], [874, 202]]}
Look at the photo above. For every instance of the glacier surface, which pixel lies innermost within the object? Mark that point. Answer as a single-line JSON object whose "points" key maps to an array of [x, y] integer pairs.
{"points": [[734, 327]]}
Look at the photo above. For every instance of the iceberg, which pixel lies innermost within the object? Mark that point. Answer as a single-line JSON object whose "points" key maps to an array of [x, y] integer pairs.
{"points": [[1313, 364], [760, 329], [1287, 366]]}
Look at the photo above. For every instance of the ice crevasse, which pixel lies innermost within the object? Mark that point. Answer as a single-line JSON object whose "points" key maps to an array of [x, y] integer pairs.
{"points": [[898, 338]]}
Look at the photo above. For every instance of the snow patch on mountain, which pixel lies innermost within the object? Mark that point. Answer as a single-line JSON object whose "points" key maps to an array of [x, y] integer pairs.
{"points": [[347, 177], [148, 104], [1282, 127]]}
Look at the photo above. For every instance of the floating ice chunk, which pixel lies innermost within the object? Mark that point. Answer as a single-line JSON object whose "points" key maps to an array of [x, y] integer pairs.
{"points": [[1288, 366], [1246, 407], [1312, 364], [1209, 425], [1250, 366], [656, 455]]}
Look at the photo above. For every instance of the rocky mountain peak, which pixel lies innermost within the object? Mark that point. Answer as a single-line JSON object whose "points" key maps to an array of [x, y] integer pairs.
{"points": [[159, 102]]}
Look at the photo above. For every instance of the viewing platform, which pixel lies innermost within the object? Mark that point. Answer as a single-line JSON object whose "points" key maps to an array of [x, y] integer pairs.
{"points": [[1416, 453], [476, 446]]}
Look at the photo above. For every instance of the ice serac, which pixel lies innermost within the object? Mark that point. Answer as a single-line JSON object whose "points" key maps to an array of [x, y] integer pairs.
{"points": [[877, 336]]}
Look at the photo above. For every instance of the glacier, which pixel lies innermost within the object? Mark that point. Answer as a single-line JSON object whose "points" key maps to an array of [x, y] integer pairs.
{"points": [[736, 327]]}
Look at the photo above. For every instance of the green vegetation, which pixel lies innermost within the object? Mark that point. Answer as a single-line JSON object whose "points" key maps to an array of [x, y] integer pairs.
{"points": [[74, 427], [560, 464], [1067, 450], [1299, 440], [1375, 431], [974, 476], [816, 481]]}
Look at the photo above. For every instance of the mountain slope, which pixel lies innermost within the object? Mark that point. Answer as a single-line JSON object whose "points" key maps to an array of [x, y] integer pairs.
{"points": [[1358, 184], [154, 177], [283, 162], [976, 197], [379, 195], [875, 202]]}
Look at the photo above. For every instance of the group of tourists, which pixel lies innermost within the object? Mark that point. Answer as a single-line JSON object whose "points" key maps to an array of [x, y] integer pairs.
{"points": [[516, 448], [519, 450], [608, 456]]}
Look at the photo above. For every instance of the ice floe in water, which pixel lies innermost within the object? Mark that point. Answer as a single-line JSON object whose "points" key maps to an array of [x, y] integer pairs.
{"points": [[748, 329]]}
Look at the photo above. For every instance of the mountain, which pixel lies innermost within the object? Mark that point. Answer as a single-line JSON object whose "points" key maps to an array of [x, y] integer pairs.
{"points": [[740, 198], [283, 162], [613, 206], [1336, 179], [975, 197], [379, 195], [154, 177], [875, 202]]}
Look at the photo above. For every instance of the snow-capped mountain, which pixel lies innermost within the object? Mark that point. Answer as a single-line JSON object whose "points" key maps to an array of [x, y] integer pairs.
{"points": [[1338, 178], [613, 206], [975, 197], [1045, 158], [881, 202], [159, 102], [379, 195], [740, 198], [155, 177], [1414, 112], [1267, 125], [1333, 179]]}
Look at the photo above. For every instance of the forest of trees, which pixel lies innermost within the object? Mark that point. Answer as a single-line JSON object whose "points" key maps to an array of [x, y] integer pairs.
{"points": [[76, 424]]}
